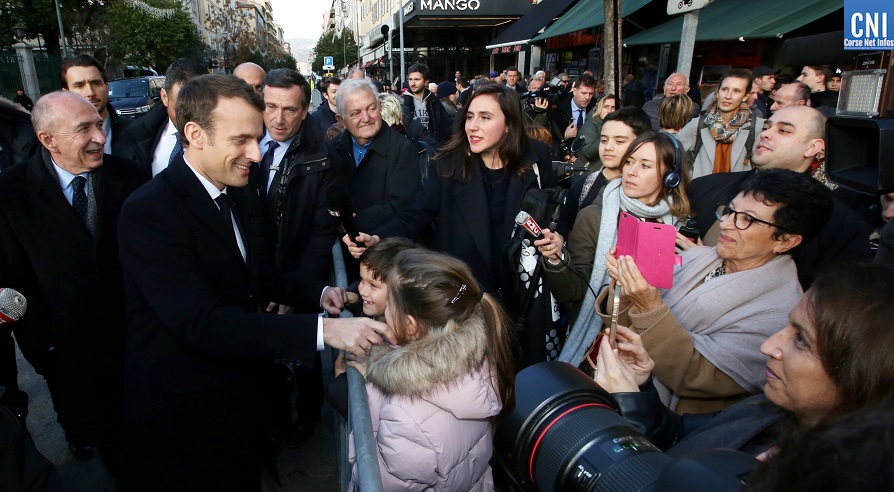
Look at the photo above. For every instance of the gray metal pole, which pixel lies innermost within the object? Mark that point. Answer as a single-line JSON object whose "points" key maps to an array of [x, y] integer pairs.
{"points": [[403, 64], [391, 57], [61, 30], [687, 42]]}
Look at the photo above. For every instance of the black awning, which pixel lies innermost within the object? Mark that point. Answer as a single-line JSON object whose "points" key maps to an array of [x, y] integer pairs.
{"points": [[530, 24]]}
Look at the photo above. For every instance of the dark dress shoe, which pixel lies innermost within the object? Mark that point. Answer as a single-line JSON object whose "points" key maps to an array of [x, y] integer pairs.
{"points": [[82, 453], [299, 434]]}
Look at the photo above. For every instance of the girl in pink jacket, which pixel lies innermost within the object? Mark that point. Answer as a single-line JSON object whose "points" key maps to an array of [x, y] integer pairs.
{"points": [[434, 398]]}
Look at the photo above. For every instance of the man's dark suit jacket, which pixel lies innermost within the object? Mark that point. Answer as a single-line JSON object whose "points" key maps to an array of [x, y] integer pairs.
{"points": [[385, 181], [198, 352], [142, 136], [842, 238], [296, 204], [120, 145], [560, 117], [73, 331]]}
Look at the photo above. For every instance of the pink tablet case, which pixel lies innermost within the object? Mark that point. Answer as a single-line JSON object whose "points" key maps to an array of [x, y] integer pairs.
{"points": [[652, 247]]}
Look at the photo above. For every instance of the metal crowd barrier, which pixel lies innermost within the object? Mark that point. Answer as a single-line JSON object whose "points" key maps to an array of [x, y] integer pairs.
{"points": [[369, 479]]}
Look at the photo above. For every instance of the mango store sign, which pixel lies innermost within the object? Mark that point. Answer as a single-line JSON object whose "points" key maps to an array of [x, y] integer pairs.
{"points": [[474, 8], [868, 25]]}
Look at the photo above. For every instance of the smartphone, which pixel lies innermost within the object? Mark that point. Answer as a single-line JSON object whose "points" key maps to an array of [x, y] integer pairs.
{"points": [[613, 328]]}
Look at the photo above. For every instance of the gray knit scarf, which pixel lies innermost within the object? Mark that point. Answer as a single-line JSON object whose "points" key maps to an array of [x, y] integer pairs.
{"points": [[588, 323]]}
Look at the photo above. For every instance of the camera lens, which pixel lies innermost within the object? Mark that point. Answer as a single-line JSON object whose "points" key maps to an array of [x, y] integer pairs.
{"points": [[565, 433]]}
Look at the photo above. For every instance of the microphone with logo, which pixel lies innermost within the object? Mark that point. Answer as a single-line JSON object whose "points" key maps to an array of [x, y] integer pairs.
{"points": [[12, 305], [339, 203]]}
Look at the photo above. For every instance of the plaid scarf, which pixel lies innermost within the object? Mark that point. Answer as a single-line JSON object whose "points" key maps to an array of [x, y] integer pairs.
{"points": [[728, 133]]}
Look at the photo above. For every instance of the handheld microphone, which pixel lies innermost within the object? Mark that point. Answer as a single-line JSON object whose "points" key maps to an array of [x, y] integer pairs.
{"points": [[525, 220], [12, 305], [338, 201]]}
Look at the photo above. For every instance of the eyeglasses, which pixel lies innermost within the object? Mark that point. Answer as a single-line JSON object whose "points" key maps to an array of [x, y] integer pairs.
{"points": [[566, 81], [742, 220]]}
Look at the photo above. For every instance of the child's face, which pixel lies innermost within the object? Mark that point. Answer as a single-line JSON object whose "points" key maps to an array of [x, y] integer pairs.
{"points": [[373, 292]]}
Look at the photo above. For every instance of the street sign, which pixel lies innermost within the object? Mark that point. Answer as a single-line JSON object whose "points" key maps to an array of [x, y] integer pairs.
{"points": [[327, 63], [679, 6]]}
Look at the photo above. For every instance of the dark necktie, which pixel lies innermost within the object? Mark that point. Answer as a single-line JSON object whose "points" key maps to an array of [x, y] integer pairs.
{"points": [[267, 163], [580, 118], [79, 199], [223, 202], [178, 148]]}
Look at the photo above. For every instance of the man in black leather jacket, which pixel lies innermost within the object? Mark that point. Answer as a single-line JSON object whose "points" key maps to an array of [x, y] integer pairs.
{"points": [[290, 183]]}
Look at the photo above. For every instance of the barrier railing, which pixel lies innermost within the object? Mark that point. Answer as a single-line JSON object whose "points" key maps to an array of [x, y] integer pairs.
{"points": [[369, 479]]}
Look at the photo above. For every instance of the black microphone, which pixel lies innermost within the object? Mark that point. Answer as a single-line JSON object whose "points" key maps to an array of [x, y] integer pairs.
{"points": [[12, 305], [339, 203]]}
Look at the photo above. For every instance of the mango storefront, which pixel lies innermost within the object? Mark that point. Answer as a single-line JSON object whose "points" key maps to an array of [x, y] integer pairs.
{"points": [[451, 35]]}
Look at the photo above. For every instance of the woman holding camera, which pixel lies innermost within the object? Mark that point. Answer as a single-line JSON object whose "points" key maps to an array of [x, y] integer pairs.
{"points": [[831, 359]]}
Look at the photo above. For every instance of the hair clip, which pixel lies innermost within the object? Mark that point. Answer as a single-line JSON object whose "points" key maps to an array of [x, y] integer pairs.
{"points": [[462, 290]]}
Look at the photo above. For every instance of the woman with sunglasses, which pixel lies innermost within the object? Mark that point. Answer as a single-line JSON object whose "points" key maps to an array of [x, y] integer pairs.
{"points": [[705, 332]]}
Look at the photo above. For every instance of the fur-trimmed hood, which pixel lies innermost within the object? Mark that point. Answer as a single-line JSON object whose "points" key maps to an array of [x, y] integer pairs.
{"points": [[438, 359]]}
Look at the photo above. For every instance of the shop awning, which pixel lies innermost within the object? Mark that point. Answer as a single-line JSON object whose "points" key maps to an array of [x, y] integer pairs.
{"points": [[731, 19], [528, 26], [585, 15]]}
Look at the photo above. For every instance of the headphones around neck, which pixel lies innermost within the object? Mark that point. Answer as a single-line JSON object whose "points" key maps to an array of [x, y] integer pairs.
{"points": [[673, 178]]}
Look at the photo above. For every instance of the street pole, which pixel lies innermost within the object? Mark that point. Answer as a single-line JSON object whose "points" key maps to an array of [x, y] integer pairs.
{"points": [[403, 63], [390, 57], [61, 30], [611, 39], [687, 43]]}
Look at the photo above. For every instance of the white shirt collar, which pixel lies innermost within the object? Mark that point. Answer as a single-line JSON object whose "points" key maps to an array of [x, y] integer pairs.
{"points": [[212, 190]]}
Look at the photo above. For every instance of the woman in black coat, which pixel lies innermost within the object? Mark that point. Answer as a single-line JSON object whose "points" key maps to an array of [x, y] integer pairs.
{"points": [[833, 358], [475, 188]]}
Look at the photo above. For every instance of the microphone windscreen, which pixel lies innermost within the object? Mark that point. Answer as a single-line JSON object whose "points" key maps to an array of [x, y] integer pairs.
{"points": [[338, 199], [12, 305]]}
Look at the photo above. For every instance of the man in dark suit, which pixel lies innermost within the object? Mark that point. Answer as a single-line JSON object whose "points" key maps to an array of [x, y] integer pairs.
{"points": [[198, 351], [84, 74], [152, 139], [793, 139], [291, 182], [58, 247], [568, 114]]}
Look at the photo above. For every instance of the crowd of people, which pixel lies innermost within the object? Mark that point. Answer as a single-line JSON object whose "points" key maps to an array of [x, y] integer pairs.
{"points": [[176, 265]]}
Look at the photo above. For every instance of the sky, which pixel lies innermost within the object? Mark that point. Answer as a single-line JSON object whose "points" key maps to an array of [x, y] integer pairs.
{"points": [[300, 18]]}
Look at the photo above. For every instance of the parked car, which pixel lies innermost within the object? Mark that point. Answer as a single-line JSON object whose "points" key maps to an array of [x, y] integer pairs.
{"points": [[135, 97]]}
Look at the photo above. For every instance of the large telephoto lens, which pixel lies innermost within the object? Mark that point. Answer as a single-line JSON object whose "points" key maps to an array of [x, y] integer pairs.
{"points": [[565, 434]]}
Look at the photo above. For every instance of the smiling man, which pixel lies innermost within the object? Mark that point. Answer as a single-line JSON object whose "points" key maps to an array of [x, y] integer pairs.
{"points": [[58, 219], [722, 139], [793, 139], [380, 162], [199, 355], [84, 75]]}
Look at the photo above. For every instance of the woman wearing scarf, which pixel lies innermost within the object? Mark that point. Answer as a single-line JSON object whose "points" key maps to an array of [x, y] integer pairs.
{"points": [[640, 191], [720, 138]]}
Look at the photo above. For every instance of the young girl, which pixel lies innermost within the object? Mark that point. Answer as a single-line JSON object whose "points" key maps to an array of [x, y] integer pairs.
{"points": [[434, 398], [374, 265]]}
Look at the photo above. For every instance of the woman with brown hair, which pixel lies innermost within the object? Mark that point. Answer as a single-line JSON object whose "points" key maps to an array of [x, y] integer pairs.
{"points": [[475, 188], [570, 271], [674, 112]]}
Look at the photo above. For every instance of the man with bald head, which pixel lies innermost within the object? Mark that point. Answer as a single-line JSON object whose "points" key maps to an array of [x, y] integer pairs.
{"points": [[794, 139], [676, 83], [793, 94], [58, 234], [252, 74]]}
